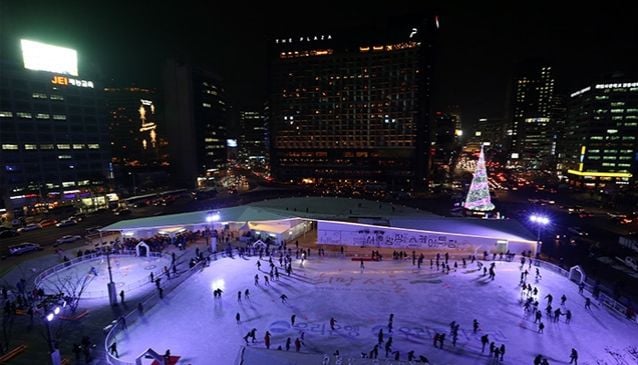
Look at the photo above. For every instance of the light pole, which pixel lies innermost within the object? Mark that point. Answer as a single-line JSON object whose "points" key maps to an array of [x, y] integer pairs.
{"points": [[53, 350], [210, 218], [540, 221]]}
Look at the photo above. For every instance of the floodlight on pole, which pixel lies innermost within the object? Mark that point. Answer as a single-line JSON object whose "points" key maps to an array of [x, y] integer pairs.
{"points": [[540, 221], [50, 317], [213, 217], [56, 311]]}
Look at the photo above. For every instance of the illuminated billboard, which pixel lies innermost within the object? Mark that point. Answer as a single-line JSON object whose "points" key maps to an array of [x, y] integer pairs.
{"points": [[45, 57], [231, 142]]}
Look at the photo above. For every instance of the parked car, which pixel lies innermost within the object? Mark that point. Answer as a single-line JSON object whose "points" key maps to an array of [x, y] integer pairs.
{"points": [[579, 231], [79, 217], [8, 233], [67, 222], [66, 239], [122, 211], [23, 248], [29, 227], [47, 223]]}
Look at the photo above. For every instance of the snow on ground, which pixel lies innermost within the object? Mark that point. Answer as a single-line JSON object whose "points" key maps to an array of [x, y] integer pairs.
{"points": [[202, 329], [129, 273]]}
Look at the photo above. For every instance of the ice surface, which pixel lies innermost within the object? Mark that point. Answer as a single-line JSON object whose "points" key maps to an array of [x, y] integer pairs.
{"points": [[202, 329]]}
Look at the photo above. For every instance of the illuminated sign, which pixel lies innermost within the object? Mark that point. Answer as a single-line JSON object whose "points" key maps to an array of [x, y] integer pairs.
{"points": [[63, 80], [615, 85], [599, 174], [45, 57], [231, 142], [582, 91]]}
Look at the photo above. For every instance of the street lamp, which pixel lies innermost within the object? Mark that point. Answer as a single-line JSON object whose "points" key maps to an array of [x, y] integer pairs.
{"points": [[53, 351], [211, 218], [540, 221]]}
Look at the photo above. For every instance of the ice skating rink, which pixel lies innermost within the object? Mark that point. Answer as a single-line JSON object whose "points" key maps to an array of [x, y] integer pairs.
{"points": [[202, 329], [129, 273]]}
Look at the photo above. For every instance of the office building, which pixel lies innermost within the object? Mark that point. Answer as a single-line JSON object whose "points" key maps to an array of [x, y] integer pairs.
{"points": [[253, 149], [352, 107], [444, 139], [196, 118], [529, 130], [601, 133], [54, 137]]}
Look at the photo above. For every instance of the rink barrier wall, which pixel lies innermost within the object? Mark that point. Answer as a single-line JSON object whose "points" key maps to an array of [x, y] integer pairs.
{"points": [[118, 328], [42, 276]]}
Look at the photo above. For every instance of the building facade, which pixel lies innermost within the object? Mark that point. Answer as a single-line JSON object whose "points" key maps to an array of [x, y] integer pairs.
{"points": [[444, 140], [529, 130], [196, 118], [54, 137], [601, 132], [350, 108], [253, 150]]}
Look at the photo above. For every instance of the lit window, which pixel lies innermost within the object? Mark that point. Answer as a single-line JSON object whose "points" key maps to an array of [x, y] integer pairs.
{"points": [[30, 147], [40, 96], [24, 115], [6, 114], [57, 97], [64, 157], [46, 146], [78, 146], [94, 146], [59, 117], [64, 146], [9, 146], [42, 116], [206, 105]]}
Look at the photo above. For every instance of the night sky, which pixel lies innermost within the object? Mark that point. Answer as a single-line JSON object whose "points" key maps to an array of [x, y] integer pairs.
{"points": [[128, 42]]}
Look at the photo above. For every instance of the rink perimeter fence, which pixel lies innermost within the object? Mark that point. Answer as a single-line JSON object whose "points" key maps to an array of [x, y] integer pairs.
{"points": [[41, 278], [117, 331]]}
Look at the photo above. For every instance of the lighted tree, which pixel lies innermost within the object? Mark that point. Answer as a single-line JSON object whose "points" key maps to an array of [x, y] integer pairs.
{"points": [[478, 197]]}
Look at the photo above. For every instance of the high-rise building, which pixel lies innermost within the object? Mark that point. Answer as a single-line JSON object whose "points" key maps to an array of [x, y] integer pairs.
{"points": [[530, 128], [601, 133], [444, 139], [253, 149], [196, 118], [138, 146], [488, 131], [353, 108], [54, 142]]}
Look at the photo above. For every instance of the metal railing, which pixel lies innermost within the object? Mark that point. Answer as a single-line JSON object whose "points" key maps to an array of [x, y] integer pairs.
{"points": [[43, 276], [117, 327]]}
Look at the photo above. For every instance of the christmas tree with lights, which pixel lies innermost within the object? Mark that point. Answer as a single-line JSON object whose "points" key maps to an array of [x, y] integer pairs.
{"points": [[478, 197]]}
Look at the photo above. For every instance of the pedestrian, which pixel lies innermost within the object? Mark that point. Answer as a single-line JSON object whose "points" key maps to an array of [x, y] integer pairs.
{"points": [[238, 317], [267, 339], [581, 287], [288, 342], [256, 279], [122, 296], [587, 303], [167, 356], [411, 355], [332, 323], [246, 294], [380, 336], [266, 282], [484, 341], [239, 296], [113, 350], [475, 326], [283, 297], [573, 357], [297, 344], [292, 319], [549, 298], [258, 265], [140, 308], [492, 347], [541, 327], [563, 299], [361, 265], [538, 359], [568, 316], [502, 351]]}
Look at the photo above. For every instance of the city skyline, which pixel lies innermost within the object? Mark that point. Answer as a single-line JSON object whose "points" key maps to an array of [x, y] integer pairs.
{"points": [[478, 46]]}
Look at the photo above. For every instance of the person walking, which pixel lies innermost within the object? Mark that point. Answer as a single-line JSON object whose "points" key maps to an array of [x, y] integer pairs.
{"points": [[297, 344], [484, 341], [288, 342], [247, 294], [573, 357], [332, 323], [587, 303], [292, 320], [475, 326], [113, 350], [267, 340], [502, 351], [256, 279], [238, 317], [122, 296], [284, 298], [541, 327], [239, 296], [563, 299]]}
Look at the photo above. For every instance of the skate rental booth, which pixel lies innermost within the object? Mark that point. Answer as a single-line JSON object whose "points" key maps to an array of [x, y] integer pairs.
{"points": [[342, 222]]}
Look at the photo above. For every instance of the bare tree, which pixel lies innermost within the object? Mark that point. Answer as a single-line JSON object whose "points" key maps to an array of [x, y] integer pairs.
{"points": [[72, 287]]}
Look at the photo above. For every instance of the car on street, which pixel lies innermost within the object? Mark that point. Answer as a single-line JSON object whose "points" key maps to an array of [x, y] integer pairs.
{"points": [[67, 222], [579, 231], [8, 233], [122, 211], [29, 227], [23, 248], [47, 223], [66, 239]]}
